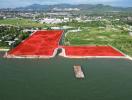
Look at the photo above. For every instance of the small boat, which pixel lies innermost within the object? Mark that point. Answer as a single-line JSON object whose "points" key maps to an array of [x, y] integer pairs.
{"points": [[78, 71]]}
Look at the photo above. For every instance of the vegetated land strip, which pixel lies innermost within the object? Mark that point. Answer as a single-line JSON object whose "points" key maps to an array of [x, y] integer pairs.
{"points": [[94, 36]]}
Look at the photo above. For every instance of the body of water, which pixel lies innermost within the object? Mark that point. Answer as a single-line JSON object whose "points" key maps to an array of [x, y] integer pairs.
{"points": [[54, 79]]}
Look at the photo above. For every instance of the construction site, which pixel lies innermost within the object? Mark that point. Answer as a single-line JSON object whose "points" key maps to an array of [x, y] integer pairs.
{"points": [[43, 69]]}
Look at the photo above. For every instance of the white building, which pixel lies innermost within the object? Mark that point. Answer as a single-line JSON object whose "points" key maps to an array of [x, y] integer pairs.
{"points": [[55, 28], [51, 20], [54, 20], [130, 33], [77, 30], [78, 19]]}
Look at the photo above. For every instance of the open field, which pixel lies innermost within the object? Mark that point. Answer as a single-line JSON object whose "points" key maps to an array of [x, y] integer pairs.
{"points": [[31, 79], [92, 51], [101, 36], [21, 22], [45, 44], [107, 32], [40, 43], [25, 23]]}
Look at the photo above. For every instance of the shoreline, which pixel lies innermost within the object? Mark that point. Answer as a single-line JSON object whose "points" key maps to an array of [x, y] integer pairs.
{"points": [[70, 51]]}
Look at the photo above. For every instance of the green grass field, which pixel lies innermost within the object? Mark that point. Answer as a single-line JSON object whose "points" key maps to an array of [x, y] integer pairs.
{"points": [[21, 22], [25, 23], [96, 36]]}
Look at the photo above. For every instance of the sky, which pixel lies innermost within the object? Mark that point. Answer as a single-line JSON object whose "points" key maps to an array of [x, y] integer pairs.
{"points": [[22, 3]]}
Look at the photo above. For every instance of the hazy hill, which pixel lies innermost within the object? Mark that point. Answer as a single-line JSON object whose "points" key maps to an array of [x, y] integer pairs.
{"points": [[98, 7]]}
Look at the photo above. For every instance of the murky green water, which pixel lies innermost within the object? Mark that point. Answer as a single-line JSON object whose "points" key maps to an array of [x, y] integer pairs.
{"points": [[39, 79]]}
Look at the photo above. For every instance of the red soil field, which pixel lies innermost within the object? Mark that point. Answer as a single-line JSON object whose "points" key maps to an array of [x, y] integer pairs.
{"points": [[41, 43], [91, 51]]}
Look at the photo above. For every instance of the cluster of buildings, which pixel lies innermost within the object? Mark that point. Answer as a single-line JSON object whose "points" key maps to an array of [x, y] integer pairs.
{"points": [[66, 9], [53, 20]]}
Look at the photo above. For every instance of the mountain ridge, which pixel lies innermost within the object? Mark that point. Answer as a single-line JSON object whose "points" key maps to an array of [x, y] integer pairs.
{"points": [[91, 7]]}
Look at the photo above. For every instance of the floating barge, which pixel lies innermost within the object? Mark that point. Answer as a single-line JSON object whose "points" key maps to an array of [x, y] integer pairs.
{"points": [[78, 71]]}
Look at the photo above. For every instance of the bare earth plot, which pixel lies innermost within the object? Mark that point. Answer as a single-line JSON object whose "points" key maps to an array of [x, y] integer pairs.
{"points": [[44, 44], [92, 51], [40, 44]]}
